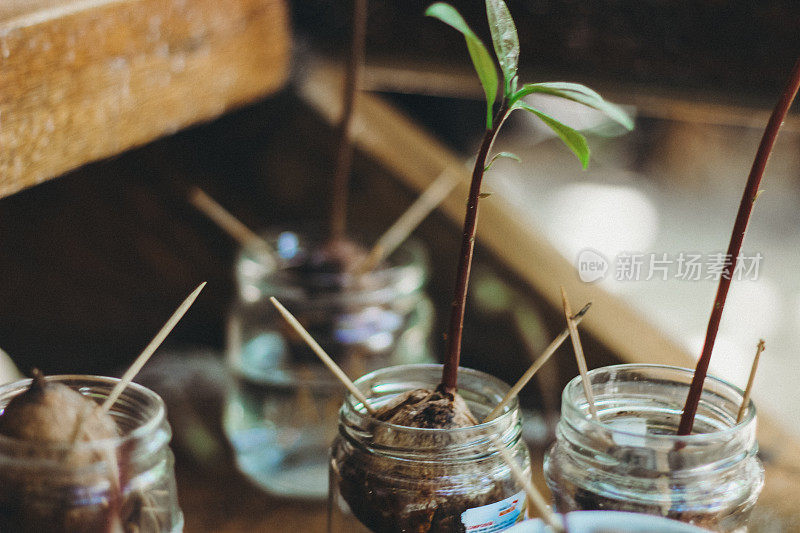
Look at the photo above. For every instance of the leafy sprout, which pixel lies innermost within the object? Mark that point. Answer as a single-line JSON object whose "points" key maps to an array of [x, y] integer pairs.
{"points": [[506, 48], [484, 64]]}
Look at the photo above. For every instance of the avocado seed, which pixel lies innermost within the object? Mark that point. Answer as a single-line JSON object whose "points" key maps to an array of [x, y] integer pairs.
{"points": [[52, 413]]}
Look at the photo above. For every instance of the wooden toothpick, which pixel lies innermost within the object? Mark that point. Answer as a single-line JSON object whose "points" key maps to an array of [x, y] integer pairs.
{"points": [[408, 221], [530, 489], [233, 226], [579, 357], [151, 348], [324, 357], [537, 364], [749, 388], [138, 363]]}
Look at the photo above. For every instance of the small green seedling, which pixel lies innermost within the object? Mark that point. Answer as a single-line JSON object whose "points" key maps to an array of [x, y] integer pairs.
{"points": [[498, 108]]}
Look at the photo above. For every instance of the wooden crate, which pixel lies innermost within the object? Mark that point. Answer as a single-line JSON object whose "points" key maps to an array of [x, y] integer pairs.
{"points": [[82, 80]]}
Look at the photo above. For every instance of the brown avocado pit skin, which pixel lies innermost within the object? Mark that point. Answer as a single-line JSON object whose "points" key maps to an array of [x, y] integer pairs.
{"points": [[48, 498], [432, 409], [390, 496], [51, 412]]}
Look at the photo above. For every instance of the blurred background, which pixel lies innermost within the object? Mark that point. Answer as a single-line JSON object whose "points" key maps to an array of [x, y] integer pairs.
{"points": [[95, 261]]}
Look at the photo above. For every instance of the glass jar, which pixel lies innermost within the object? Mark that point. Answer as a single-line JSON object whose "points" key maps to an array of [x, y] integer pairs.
{"points": [[281, 407], [632, 459], [122, 484], [390, 478]]}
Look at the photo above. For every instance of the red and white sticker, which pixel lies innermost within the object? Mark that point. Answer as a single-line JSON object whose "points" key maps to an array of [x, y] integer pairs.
{"points": [[495, 516]]}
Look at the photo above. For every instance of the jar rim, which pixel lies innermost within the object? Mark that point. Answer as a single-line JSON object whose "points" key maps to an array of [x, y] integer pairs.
{"points": [[502, 420], [575, 388], [412, 251], [140, 431]]}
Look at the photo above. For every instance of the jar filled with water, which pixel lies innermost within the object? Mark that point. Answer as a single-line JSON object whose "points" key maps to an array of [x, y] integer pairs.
{"points": [[281, 409], [631, 459]]}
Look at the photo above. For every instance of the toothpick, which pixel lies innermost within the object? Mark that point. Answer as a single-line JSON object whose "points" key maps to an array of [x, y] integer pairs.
{"points": [[530, 489], [151, 348], [537, 364], [579, 357], [408, 221], [749, 388], [233, 226], [324, 357], [131, 373]]}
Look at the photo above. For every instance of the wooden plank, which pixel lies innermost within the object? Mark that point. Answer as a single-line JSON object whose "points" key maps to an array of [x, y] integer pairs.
{"points": [[81, 80], [455, 81]]}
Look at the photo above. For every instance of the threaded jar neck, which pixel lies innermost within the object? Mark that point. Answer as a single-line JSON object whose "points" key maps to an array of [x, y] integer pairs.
{"points": [[140, 415], [481, 391], [639, 408], [403, 274]]}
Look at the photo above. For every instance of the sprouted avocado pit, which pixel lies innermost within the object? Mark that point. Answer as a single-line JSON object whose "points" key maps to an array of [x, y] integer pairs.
{"points": [[379, 499], [76, 463], [62, 424], [54, 413]]}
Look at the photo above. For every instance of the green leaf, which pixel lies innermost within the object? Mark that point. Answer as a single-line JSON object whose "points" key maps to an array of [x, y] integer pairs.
{"points": [[509, 155], [481, 59], [504, 38], [574, 140], [577, 93]]}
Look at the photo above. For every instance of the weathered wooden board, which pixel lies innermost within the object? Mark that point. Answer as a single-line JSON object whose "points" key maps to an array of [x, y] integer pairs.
{"points": [[82, 80]]}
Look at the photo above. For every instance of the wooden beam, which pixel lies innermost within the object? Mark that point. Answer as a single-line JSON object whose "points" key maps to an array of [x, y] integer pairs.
{"points": [[455, 81], [82, 80]]}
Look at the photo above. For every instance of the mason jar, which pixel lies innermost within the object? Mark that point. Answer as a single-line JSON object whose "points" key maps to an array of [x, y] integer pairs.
{"points": [[122, 484], [631, 458], [282, 403], [389, 478]]}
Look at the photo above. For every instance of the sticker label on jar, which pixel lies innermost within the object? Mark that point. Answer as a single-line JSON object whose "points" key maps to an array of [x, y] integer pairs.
{"points": [[495, 516]]}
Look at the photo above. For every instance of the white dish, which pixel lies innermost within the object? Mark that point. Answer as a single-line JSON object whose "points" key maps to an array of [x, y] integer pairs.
{"points": [[609, 522]]}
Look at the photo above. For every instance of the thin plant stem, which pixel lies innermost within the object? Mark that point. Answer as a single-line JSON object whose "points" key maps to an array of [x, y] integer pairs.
{"points": [[344, 153], [735, 246], [453, 353]]}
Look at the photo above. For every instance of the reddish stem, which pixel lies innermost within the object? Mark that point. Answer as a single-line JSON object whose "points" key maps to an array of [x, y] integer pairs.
{"points": [[453, 352], [739, 227], [344, 154]]}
